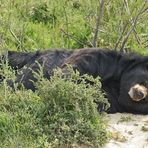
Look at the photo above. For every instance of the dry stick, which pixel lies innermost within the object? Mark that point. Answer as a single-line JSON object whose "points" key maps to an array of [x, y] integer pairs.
{"points": [[67, 21], [146, 9], [145, 43], [135, 32], [121, 36], [146, 46], [74, 38], [136, 36], [13, 34], [98, 21], [134, 24]]}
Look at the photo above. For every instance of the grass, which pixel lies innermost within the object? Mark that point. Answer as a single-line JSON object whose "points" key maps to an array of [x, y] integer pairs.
{"points": [[31, 25], [125, 119]]}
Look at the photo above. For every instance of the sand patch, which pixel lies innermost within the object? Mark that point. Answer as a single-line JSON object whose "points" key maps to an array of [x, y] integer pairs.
{"points": [[128, 131]]}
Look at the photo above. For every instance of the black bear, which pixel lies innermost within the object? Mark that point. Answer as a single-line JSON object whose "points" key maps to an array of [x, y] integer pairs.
{"points": [[124, 76], [17, 60], [26, 64]]}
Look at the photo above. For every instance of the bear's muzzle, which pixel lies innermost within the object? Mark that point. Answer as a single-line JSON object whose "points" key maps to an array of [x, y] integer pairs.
{"points": [[138, 92]]}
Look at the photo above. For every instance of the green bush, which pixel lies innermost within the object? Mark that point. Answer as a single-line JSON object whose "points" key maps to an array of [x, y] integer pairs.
{"points": [[60, 113]]}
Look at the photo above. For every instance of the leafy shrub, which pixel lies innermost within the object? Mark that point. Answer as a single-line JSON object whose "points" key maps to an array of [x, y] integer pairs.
{"points": [[60, 113], [71, 110]]}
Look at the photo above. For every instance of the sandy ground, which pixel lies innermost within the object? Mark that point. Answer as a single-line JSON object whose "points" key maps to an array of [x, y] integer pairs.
{"points": [[128, 131]]}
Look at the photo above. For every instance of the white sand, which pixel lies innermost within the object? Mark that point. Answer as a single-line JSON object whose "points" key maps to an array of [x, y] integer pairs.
{"points": [[128, 131]]}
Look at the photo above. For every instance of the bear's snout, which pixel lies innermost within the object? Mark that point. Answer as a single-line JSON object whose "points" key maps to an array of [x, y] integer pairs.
{"points": [[138, 92]]}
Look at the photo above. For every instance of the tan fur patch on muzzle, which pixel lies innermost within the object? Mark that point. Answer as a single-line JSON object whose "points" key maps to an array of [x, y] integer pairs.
{"points": [[138, 92]]}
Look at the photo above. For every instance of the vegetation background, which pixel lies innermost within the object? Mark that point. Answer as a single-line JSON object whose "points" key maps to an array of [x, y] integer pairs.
{"points": [[29, 25], [49, 118]]}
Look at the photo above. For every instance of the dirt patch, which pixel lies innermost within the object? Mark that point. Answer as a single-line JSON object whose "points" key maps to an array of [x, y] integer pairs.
{"points": [[128, 131]]}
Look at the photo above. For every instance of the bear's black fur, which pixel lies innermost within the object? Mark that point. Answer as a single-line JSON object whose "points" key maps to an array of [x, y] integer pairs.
{"points": [[17, 60], [27, 64], [118, 71]]}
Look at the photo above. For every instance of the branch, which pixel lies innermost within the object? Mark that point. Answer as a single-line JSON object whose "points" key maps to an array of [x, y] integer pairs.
{"points": [[145, 10], [67, 22], [74, 38], [146, 46], [134, 30], [136, 36], [98, 21], [133, 26], [145, 43], [16, 38], [121, 36]]}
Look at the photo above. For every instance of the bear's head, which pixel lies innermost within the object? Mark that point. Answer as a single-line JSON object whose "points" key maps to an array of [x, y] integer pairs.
{"points": [[133, 95]]}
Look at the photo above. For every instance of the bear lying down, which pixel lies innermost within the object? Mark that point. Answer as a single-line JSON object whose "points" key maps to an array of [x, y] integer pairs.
{"points": [[124, 76]]}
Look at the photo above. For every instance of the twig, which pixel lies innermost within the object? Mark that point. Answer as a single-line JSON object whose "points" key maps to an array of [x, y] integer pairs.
{"points": [[74, 38], [121, 36], [146, 46], [146, 9], [133, 25], [16, 38], [145, 43], [98, 21], [134, 29], [67, 22], [136, 36]]}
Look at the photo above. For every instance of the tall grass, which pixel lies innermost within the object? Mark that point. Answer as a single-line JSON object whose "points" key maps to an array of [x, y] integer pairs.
{"points": [[31, 25]]}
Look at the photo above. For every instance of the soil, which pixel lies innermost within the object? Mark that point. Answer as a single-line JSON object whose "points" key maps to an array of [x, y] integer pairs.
{"points": [[127, 131]]}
